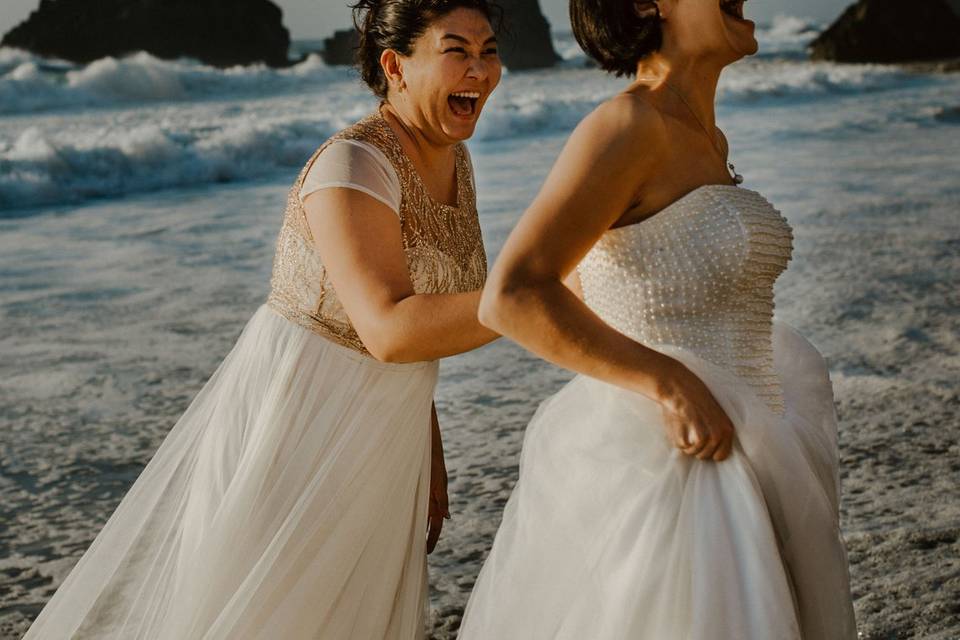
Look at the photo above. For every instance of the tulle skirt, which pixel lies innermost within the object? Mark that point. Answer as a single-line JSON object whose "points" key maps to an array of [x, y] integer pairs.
{"points": [[289, 501], [613, 534]]}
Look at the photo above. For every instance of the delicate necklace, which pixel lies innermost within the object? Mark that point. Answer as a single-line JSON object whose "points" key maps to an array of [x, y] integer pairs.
{"points": [[737, 178]]}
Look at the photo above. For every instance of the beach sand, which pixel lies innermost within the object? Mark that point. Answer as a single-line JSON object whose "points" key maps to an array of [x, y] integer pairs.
{"points": [[114, 313]]}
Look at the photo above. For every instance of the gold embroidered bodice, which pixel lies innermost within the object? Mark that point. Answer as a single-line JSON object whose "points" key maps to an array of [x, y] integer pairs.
{"points": [[698, 275], [442, 243]]}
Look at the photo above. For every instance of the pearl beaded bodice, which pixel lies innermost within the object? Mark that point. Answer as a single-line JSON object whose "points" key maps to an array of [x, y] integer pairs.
{"points": [[698, 275]]}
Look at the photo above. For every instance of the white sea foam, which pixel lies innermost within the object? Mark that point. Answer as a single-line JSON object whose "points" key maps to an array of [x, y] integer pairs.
{"points": [[125, 125], [763, 80], [139, 77], [30, 83], [38, 169], [786, 34]]}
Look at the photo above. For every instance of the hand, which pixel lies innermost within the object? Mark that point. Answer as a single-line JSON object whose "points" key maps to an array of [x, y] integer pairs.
{"points": [[439, 505], [696, 423]]}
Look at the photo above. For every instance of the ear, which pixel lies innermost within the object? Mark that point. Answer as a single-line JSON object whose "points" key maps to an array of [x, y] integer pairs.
{"points": [[666, 8], [392, 68]]}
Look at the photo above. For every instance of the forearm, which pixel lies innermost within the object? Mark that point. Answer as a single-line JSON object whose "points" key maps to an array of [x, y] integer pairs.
{"points": [[431, 326], [549, 320]]}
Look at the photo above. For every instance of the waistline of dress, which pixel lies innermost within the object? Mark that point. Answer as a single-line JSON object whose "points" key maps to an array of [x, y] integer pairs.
{"points": [[344, 350]]}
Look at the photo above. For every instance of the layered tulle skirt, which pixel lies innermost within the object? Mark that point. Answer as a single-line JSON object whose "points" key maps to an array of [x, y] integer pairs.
{"points": [[289, 501], [613, 534]]}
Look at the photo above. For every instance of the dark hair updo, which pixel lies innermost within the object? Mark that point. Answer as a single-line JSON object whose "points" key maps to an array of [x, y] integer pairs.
{"points": [[397, 24], [614, 34]]}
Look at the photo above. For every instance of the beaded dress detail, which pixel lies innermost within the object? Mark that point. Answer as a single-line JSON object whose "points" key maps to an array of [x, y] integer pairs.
{"points": [[443, 244], [612, 532], [698, 275]]}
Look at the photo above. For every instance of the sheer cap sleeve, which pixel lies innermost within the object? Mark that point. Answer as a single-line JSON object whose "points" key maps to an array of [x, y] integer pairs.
{"points": [[354, 164]]}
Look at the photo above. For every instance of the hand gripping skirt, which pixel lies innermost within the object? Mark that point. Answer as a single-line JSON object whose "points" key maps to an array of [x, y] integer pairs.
{"points": [[613, 534]]}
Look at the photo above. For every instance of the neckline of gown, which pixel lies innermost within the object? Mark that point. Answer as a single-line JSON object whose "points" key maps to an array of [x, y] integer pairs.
{"points": [[676, 202], [417, 178]]}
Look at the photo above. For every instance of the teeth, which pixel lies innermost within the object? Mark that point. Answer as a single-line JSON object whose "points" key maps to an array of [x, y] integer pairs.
{"points": [[467, 94]]}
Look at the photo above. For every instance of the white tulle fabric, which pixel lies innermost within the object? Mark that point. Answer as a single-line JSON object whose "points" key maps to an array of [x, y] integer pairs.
{"points": [[613, 534], [289, 501], [357, 165]]}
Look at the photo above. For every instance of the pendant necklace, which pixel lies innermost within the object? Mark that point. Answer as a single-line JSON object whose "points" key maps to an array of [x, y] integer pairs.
{"points": [[737, 178]]}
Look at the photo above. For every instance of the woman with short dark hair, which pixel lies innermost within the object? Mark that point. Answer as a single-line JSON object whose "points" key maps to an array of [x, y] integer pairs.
{"points": [[685, 484], [298, 495]]}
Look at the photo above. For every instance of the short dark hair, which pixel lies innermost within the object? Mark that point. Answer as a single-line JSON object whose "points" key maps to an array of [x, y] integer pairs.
{"points": [[614, 34], [397, 24]]}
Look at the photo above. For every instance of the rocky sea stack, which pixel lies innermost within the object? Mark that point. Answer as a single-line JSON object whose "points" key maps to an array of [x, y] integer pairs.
{"points": [[218, 32], [525, 42], [887, 31]]}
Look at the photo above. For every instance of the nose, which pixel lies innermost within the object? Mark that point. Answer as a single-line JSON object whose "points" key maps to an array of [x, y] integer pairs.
{"points": [[477, 69]]}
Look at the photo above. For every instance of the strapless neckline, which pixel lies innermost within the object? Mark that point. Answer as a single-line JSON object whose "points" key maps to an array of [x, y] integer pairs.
{"points": [[684, 198], [698, 275]]}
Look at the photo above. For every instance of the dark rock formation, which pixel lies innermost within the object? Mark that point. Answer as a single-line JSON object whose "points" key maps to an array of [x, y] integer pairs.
{"points": [[339, 48], [891, 31], [217, 32], [525, 42]]}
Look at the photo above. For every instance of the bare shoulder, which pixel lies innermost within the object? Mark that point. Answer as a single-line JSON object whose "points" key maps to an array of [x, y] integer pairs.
{"points": [[605, 164], [626, 116], [625, 120]]}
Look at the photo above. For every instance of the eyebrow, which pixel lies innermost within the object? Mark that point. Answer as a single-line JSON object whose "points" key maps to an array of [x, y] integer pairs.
{"points": [[453, 36]]}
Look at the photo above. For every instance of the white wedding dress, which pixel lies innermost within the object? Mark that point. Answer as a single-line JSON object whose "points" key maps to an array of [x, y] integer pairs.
{"points": [[290, 500], [613, 534]]}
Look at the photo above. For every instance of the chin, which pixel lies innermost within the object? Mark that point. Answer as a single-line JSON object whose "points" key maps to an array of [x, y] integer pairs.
{"points": [[460, 128], [459, 131], [750, 48], [742, 46]]}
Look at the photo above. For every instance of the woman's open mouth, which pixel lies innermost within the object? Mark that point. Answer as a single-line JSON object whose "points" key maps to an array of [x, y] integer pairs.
{"points": [[733, 8], [464, 103]]}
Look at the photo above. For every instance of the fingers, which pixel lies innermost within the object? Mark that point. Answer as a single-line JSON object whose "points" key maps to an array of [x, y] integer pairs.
{"points": [[724, 450], [438, 511], [693, 450], [683, 437], [710, 450], [433, 532], [695, 440], [698, 441], [713, 444], [439, 502]]}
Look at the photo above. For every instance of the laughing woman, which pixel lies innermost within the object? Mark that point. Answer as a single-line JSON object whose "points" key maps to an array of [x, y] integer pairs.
{"points": [[296, 497], [684, 486]]}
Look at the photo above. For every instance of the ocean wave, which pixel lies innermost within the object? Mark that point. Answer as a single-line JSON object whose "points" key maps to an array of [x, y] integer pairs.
{"points": [[205, 125], [786, 35], [38, 170], [765, 81], [29, 83], [557, 100]]}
